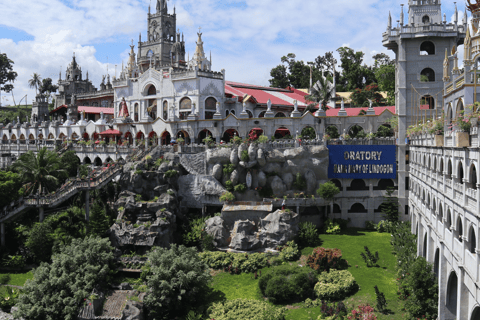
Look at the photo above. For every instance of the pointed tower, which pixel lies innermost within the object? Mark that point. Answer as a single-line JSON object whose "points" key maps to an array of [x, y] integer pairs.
{"points": [[131, 61], [73, 71], [199, 60], [446, 67]]}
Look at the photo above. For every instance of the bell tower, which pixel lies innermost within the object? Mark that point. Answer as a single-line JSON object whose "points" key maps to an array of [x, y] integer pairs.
{"points": [[155, 51]]}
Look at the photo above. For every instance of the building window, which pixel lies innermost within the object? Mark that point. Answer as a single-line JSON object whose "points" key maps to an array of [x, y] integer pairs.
{"points": [[427, 75], [152, 91], [165, 110], [357, 185], [185, 108], [357, 208], [427, 48], [425, 19]]}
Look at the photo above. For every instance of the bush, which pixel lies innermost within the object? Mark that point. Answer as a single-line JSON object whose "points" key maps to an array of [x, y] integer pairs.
{"points": [[245, 309], [369, 258], [9, 299], [308, 234], [58, 288], [287, 283], [244, 156], [290, 252], [5, 278], [299, 183], [323, 259], [335, 226], [330, 310], [138, 197], [370, 225], [229, 185], [386, 226], [234, 262], [138, 171], [17, 262], [228, 169], [262, 139], [227, 196], [176, 281], [381, 301], [335, 285], [171, 173], [193, 237], [241, 188], [363, 312]]}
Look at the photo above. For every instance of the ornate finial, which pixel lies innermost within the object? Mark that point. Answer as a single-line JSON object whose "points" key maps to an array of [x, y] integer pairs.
{"points": [[199, 31]]}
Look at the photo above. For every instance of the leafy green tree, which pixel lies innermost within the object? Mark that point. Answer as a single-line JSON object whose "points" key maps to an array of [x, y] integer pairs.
{"points": [[308, 133], [7, 75], [390, 206], [99, 221], [10, 187], [327, 191], [279, 77], [47, 88], [360, 97], [355, 74], [384, 131], [385, 75], [293, 73], [35, 82], [39, 172], [176, 281], [40, 241], [70, 162], [58, 289], [332, 131], [422, 286]]}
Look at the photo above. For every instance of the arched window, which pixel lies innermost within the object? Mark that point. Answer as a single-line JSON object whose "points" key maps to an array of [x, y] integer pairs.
{"points": [[337, 183], [384, 184], [473, 177], [152, 91], [227, 113], [460, 172], [449, 219], [472, 240], [136, 111], [440, 213], [336, 208], [262, 114], [449, 169], [425, 19], [459, 230], [165, 110], [357, 185], [427, 48], [332, 131], [441, 166], [210, 107], [185, 108], [357, 208], [452, 287], [356, 131], [250, 115], [232, 112], [280, 115], [427, 75]]}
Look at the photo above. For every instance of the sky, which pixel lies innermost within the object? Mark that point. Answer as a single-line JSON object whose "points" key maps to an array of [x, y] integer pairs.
{"points": [[247, 38]]}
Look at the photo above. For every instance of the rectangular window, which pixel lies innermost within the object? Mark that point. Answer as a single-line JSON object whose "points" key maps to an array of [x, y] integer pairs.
{"points": [[407, 183], [406, 209]]}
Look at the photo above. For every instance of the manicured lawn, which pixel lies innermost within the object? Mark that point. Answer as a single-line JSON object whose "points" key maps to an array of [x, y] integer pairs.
{"points": [[351, 244], [19, 278]]}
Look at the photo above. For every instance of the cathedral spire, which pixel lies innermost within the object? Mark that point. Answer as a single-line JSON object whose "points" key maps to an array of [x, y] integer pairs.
{"points": [[455, 16], [401, 16], [389, 21]]}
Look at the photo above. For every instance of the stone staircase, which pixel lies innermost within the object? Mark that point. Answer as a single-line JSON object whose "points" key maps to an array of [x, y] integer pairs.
{"points": [[194, 163], [69, 189]]}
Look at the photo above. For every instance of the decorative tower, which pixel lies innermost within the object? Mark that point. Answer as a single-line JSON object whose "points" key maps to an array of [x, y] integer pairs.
{"points": [[419, 62], [199, 60]]}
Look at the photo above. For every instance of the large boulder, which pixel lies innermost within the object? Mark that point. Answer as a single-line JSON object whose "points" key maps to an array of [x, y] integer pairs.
{"points": [[217, 171], [261, 157], [288, 180], [194, 190], [243, 236], [319, 152], [297, 153], [234, 177], [278, 228], [275, 156], [278, 188], [272, 167], [234, 157], [241, 148], [214, 227], [311, 181], [252, 151], [133, 311], [220, 155], [262, 179]]}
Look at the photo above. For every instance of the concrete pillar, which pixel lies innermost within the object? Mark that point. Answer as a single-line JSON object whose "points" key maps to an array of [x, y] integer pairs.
{"points": [[442, 283], [146, 142], [87, 205], [41, 214], [462, 296], [2, 233]]}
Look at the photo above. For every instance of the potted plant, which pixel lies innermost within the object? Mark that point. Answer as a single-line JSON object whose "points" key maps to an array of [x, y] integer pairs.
{"points": [[463, 123], [436, 128]]}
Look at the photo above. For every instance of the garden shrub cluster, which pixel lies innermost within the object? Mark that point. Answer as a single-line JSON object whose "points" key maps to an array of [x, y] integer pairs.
{"points": [[335, 226], [234, 262], [287, 283], [323, 259], [417, 283], [245, 309], [335, 285], [386, 226], [171, 173], [307, 234], [290, 252]]}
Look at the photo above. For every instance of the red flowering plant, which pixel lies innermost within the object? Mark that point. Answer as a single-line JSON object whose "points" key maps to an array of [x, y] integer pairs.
{"points": [[323, 259], [363, 312], [463, 122]]}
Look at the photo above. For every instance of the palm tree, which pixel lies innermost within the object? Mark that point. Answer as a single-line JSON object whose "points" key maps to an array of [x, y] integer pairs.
{"points": [[321, 93], [39, 172], [35, 82]]}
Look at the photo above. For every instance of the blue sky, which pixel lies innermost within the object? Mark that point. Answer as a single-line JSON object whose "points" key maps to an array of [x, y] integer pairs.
{"points": [[247, 38]]}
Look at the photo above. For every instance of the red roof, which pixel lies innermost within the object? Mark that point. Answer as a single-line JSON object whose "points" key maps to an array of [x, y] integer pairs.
{"points": [[90, 110], [111, 132], [351, 112], [278, 96]]}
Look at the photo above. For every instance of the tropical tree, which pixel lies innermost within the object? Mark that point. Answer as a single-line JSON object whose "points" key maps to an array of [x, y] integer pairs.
{"points": [[327, 191], [39, 172], [35, 82], [48, 88], [6, 73], [321, 93]]}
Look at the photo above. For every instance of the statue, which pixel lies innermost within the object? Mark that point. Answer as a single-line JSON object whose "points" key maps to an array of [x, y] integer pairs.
{"points": [[18, 119], [123, 109], [244, 107], [218, 107], [343, 105], [295, 105], [103, 79], [269, 105], [74, 99], [370, 103], [192, 112]]}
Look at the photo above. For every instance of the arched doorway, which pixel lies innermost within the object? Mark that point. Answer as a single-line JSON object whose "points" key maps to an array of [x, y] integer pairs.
{"points": [[452, 287], [184, 135], [129, 138], [98, 161], [282, 133], [203, 134], [87, 160], [255, 133], [308, 133], [475, 314], [152, 136], [436, 262], [229, 134], [166, 138]]}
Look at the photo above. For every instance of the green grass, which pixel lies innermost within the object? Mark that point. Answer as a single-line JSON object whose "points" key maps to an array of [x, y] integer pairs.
{"points": [[19, 278], [351, 244]]}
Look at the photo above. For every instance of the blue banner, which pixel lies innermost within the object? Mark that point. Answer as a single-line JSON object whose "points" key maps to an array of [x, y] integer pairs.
{"points": [[362, 162]]}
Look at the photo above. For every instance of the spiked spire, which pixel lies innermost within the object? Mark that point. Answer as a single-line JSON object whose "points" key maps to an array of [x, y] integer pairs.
{"points": [[401, 16], [455, 16], [389, 20]]}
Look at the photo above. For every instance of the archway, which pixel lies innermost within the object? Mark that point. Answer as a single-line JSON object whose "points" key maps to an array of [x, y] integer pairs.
{"points": [[51, 137], [459, 230], [427, 47], [308, 133], [152, 136], [357, 208], [85, 136], [440, 213], [210, 107], [184, 135], [87, 160], [22, 138], [98, 161], [165, 111], [475, 314], [185, 108], [151, 91], [427, 102], [31, 139], [332, 131], [472, 240], [61, 136], [227, 112], [203, 134], [473, 177], [427, 75], [255, 133], [229, 134], [166, 138], [135, 111], [129, 137], [337, 183], [449, 169], [74, 137], [357, 185], [262, 114], [460, 172], [384, 184], [424, 253], [282, 133], [280, 115], [449, 219], [250, 114], [140, 135], [452, 287], [356, 131], [436, 262]]}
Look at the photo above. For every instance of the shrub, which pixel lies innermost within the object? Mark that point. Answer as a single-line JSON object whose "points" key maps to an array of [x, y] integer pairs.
{"points": [[241, 188], [227, 196], [262, 139], [363, 312], [176, 281], [244, 156], [307, 234], [234, 262], [381, 301], [335, 285], [330, 310], [229, 185], [9, 299], [194, 235], [290, 252], [335, 226], [370, 225], [386, 226], [323, 259], [17, 262], [5, 278], [369, 258], [299, 183], [228, 169], [217, 260], [138, 197], [287, 283], [171, 173], [245, 309], [138, 171]]}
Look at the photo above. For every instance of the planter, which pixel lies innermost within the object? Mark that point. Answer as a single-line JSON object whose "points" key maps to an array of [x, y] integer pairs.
{"points": [[462, 139], [438, 140]]}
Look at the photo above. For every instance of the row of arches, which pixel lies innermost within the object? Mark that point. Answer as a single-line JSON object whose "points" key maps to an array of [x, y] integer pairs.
{"points": [[360, 185], [357, 131]]}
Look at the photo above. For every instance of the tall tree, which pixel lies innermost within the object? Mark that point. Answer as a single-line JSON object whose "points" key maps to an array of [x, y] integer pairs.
{"points": [[7, 75], [48, 88], [385, 75], [10, 187], [35, 82], [321, 93], [293, 73], [355, 74], [39, 172]]}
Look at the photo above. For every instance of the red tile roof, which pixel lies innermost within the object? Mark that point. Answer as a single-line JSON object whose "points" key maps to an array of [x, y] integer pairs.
{"points": [[354, 111], [91, 110], [111, 132]]}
